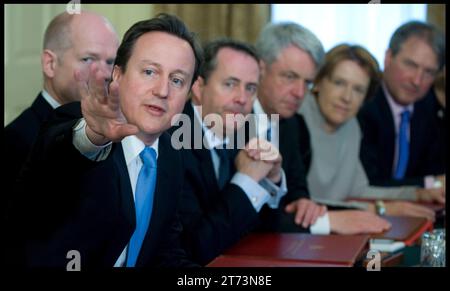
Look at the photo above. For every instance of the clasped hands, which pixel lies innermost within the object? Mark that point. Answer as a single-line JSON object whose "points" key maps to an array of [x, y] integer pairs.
{"points": [[261, 159]]}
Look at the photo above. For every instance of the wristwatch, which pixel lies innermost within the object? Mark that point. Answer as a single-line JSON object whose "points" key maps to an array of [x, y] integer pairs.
{"points": [[380, 207]]}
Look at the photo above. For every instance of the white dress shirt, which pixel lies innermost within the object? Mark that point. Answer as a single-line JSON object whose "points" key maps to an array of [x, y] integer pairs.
{"points": [[50, 100]]}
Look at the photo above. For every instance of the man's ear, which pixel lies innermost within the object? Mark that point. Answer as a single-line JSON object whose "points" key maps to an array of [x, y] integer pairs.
{"points": [[49, 61], [116, 74], [197, 90]]}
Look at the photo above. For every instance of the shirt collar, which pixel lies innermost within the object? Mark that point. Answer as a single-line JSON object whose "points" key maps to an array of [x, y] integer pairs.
{"points": [[257, 107], [396, 108], [133, 146], [210, 137], [262, 123], [52, 101]]}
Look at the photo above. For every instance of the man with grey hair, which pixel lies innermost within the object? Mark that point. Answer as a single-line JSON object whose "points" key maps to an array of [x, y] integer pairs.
{"points": [[290, 57], [71, 42], [399, 130]]}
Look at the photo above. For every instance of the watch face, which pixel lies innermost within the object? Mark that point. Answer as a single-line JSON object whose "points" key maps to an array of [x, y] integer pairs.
{"points": [[381, 209]]}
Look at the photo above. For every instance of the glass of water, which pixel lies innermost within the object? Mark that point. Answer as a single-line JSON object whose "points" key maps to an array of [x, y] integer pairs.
{"points": [[432, 253]]}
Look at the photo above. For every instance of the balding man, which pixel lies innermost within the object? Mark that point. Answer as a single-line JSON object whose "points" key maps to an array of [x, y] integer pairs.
{"points": [[71, 42]]}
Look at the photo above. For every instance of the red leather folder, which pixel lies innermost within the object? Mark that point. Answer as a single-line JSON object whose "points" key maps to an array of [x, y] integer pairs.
{"points": [[300, 247], [406, 228], [245, 261]]}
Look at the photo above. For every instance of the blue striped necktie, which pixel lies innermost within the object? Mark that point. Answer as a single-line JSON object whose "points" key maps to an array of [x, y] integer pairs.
{"points": [[145, 188]]}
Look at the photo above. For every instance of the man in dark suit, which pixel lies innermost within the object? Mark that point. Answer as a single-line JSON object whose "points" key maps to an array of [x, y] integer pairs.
{"points": [[87, 184], [399, 129], [70, 42], [287, 71], [216, 212]]}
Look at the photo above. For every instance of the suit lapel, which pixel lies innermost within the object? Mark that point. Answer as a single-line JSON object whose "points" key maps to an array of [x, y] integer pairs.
{"points": [[207, 169], [282, 143], [419, 133], [126, 194], [203, 155], [41, 108], [387, 121]]}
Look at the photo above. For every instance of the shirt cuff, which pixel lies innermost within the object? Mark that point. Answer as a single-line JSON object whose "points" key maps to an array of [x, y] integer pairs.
{"points": [[82, 143], [276, 192], [322, 225], [257, 195], [429, 182]]}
